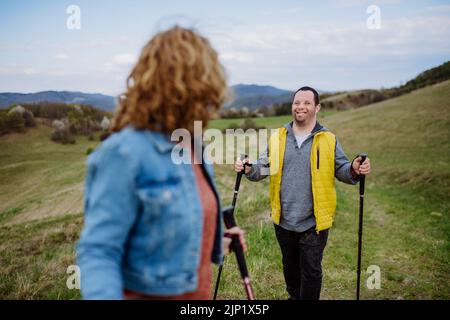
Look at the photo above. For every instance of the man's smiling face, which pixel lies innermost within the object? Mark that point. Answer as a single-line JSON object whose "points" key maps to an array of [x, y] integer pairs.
{"points": [[304, 109]]}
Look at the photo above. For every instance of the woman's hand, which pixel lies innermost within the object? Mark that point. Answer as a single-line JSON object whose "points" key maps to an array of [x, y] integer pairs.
{"points": [[227, 239]]}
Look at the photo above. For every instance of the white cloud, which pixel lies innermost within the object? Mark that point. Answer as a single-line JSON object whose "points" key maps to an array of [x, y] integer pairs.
{"points": [[285, 44], [439, 9], [120, 63], [62, 56], [292, 10], [266, 54], [30, 71], [236, 56], [367, 2], [17, 47], [124, 59]]}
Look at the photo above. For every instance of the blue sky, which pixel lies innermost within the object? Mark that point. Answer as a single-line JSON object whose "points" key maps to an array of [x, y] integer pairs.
{"points": [[285, 43]]}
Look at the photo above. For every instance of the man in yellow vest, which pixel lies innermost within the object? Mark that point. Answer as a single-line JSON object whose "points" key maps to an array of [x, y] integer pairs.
{"points": [[302, 159]]}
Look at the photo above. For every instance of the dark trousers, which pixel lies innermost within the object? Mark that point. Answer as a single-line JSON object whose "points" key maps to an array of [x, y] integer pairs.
{"points": [[302, 261]]}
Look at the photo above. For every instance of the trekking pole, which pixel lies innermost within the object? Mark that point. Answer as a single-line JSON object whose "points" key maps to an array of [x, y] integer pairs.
{"points": [[236, 190], [228, 217], [362, 181]]}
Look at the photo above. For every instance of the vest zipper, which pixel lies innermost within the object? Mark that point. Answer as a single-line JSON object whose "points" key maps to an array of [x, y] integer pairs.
{"points": [[318, 157], [318, 161]]}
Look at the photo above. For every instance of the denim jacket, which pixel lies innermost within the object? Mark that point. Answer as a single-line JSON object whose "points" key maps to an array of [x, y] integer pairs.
{"points": [[143, 219]]}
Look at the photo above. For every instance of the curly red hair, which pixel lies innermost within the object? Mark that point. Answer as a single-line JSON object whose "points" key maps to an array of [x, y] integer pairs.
{"points": [[177, 79]]}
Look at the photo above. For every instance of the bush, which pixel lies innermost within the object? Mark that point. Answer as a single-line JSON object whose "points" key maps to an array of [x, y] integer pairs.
{"points": [[104, 136], [247, 124], [11, 122], [233, 113], [61, 132], [283, 109], [250, 124], [63, 136], [81, 119], [52, 110], [3, 116], [233, 126], [29, 119]]}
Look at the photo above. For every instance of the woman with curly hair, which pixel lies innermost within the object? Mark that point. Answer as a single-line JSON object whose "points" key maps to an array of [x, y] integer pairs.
{"points": [[152, 227]]}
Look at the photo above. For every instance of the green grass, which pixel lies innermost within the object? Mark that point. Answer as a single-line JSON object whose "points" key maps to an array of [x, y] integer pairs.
{"points": [[35, 256], [40, 213], [40, 178], [406, 226]]}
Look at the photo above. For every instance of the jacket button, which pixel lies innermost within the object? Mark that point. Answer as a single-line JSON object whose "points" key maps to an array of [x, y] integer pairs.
{"points": [[167, 195]]}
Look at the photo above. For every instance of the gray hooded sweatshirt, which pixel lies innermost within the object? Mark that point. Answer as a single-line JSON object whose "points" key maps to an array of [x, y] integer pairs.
{"points": [[297, 211]]}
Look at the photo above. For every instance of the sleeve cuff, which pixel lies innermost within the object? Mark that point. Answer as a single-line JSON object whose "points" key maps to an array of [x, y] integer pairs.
{"points": [[353, 174]]}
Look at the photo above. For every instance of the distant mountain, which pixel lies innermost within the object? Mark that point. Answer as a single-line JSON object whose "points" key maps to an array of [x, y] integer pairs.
{"points": [[253, 96], [100, 101], [248, 90]]}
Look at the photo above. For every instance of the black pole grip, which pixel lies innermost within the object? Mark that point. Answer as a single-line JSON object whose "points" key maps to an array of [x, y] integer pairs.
{"points": [[237, 248], [230, 222], [228, 217], [363, 157]]}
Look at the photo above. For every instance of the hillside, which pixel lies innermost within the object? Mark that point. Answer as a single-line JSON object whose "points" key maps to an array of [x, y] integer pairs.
{"points": [[359, 98], [44, 178], [68, 97], [428, 77], [352, 99], [406, 229]]}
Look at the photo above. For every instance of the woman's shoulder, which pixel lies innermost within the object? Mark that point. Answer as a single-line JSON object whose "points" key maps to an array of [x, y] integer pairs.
{"points": [[128, 136], [134, 144]]}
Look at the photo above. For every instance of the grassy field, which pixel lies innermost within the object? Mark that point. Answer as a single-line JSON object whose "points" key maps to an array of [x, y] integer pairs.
{"points": [[406, 231], [267, 122]]}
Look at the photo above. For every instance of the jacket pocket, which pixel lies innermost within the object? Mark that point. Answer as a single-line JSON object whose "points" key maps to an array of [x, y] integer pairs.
{"points": [[313, 239], [163, 213], [155, 200]]}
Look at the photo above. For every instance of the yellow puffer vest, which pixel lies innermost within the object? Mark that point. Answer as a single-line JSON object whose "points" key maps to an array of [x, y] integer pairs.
{"points": [[322, 176]]}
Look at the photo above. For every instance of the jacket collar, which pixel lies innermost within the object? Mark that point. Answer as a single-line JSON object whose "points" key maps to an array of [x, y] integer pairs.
{"points": [[160, 140], [318, 127], [163, 143]]}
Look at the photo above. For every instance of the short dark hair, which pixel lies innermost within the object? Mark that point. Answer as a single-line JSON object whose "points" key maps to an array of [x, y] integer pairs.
{"points": [[306, 88]]}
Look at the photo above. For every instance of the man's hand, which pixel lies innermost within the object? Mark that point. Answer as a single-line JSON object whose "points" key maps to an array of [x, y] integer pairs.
{"points": [[239, 165], [227, 239], [361, 168]]}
